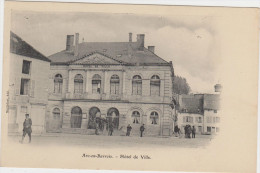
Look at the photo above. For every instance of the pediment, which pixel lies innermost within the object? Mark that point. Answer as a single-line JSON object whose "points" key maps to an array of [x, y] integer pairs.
{"points": [[96, 58]]}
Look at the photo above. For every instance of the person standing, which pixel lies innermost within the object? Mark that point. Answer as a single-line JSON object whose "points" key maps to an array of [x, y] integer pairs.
{"points": [[142, 130], [193, 130], [27, 128], [128, 130], [111, 129]]}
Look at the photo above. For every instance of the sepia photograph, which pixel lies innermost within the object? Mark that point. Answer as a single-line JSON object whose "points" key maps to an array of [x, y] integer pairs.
{"points": [[113, 85]]}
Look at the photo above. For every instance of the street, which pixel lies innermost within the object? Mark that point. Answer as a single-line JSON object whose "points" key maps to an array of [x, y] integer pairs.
{"points": [[113, 141]]}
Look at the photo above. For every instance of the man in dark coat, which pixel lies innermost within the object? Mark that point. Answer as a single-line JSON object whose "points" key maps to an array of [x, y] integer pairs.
{"points": [[189, 131], [111, 129], [142, 130], [27, 127], [128, 130], [193, 130]]}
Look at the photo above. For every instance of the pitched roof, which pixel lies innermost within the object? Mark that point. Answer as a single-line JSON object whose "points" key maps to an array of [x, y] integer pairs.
{"points": [[20, 47], [211, 102], [191, 104], [125, 52]]}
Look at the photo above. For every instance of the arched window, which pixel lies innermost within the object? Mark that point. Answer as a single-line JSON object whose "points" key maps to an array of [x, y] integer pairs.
{"points": [[78, 84], [136, 117], [155, 86], [137, 85], [114, 84], [76, 117], [96, 84], [56, 113], [154, 117], [58, 83]]}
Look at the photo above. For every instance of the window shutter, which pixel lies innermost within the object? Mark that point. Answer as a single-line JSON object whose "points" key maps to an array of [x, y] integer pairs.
{"points": [[17, 85], [32, 88]]}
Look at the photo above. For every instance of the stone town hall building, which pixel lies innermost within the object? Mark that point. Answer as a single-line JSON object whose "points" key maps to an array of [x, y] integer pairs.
{"points": [[118, 83]]}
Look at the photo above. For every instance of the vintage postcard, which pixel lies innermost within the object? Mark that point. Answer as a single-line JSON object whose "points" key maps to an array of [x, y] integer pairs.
{"points": [[129, 87]]}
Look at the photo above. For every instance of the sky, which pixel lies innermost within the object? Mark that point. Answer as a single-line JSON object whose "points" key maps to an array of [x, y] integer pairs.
{"points": [[190, 42]]}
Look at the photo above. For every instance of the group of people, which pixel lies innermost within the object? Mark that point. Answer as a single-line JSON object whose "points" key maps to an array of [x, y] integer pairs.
{"points": [[188, 131]]}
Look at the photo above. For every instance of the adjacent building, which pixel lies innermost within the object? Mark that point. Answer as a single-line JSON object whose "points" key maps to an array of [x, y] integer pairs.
{"points": [[109, 83], [191, 112], [28, 89], [201, 111], [212, 111]]}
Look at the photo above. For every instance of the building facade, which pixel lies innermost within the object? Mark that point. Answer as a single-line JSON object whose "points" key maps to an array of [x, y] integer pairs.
{"points": [[191, 112], [212, 113], [104, 84], [28, 89], [201, 111]]}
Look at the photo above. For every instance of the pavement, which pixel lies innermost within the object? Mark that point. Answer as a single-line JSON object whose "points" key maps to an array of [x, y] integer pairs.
{"points": [[112, 141]]}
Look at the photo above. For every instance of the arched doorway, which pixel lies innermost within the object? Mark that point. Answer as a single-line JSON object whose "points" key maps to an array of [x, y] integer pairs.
{"points": [[93, 113], [56, 120], [113, 117], [76, 117]]}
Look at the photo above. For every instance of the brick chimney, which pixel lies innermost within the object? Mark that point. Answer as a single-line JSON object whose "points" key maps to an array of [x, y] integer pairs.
{"points": [[76, 51], [140, 41], [151, 48], [130, 37], [69, 42]]}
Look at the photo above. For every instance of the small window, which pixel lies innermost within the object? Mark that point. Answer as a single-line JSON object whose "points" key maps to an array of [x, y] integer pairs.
{"points": [[136, 117], [26, 67], [154, 118], [215, 111], [78, 84], [155, 86], [199, 120], [58, 83], [209, 119], [208, 129], [137, 85], [96, 84], [217, 119], [114, 85], [24, 89]]}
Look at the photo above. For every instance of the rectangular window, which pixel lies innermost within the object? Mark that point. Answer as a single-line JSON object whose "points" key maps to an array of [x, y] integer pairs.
{"points": [[191, 119], [137, 88], [26, 67], [96, 86], [78, 87], [215, 111], [217, 119], [24, 89], [114, 88], [208, 129], [214, 119], [200, 128], [213, 129], [217, 129], [209, 119], [200, 120]]}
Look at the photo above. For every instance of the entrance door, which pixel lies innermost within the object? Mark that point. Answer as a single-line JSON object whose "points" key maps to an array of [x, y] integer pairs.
{"points": [[56, 120], [76, 117], [113, 117]]}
